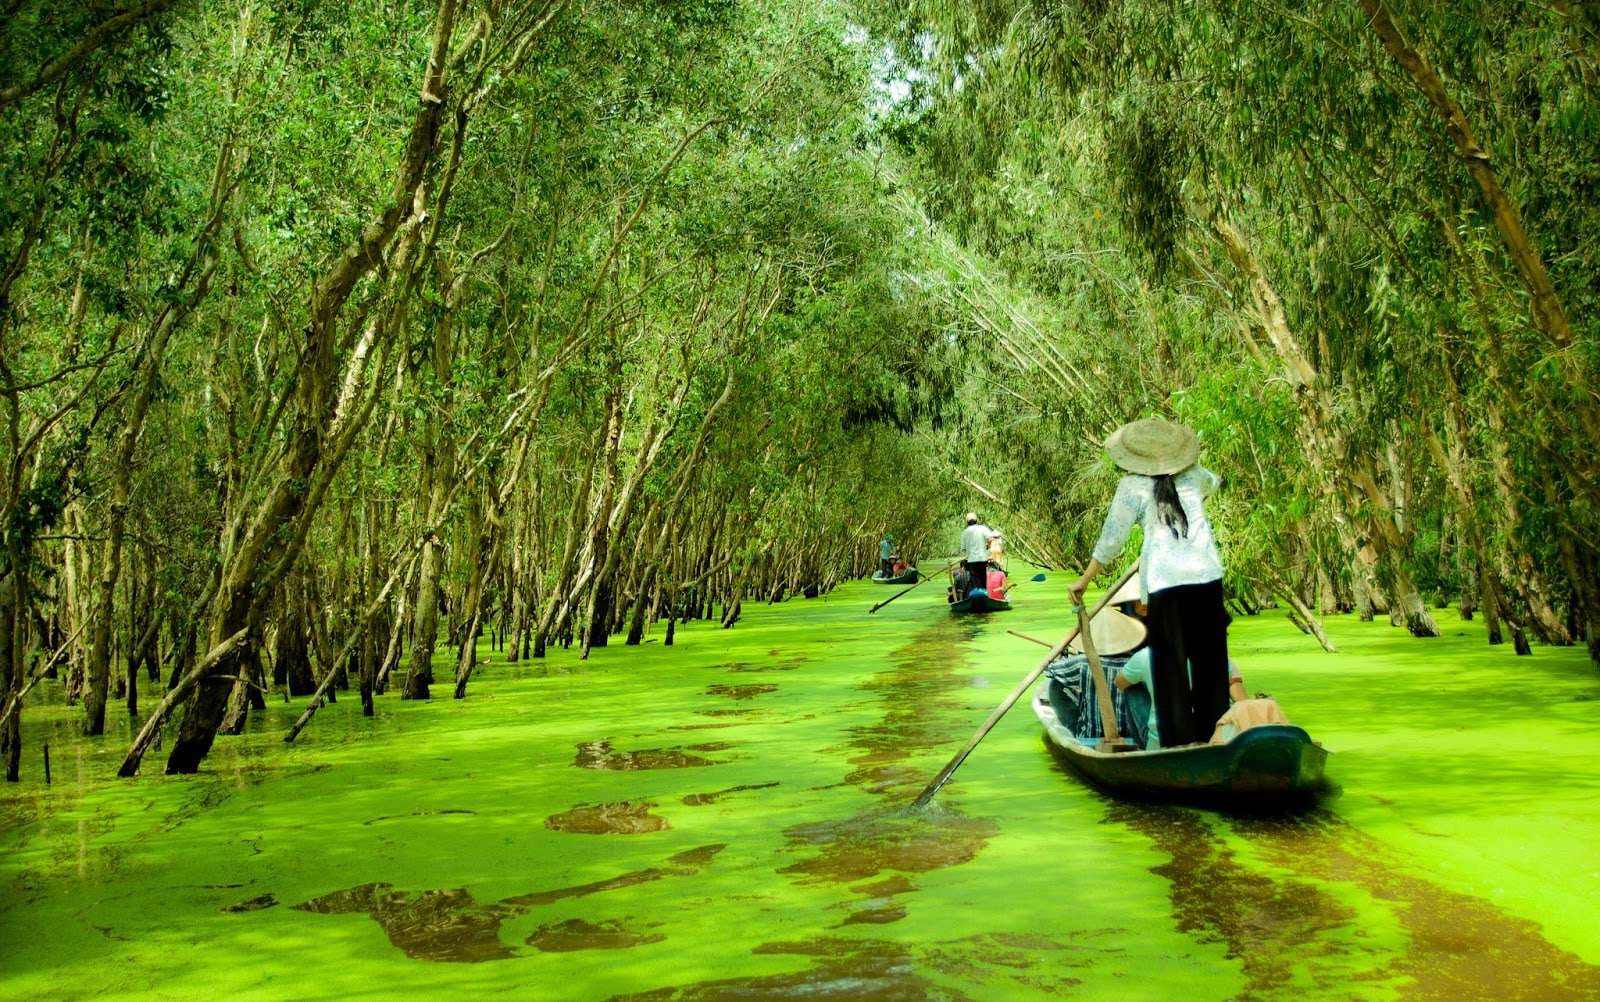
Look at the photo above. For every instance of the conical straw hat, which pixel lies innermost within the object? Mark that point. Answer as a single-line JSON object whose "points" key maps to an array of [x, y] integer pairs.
{"points": [[1153, 447], [1129, 592], [1113, 633]]}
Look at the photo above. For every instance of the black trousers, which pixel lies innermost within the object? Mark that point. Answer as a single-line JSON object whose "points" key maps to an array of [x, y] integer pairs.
{"points": [[886, 568], [1188, 628], [979, 571]]}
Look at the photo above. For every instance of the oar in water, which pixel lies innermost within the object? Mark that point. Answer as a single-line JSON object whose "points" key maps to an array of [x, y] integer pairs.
{"points": [[925, 579], [1021, 690], [1037, 577]]}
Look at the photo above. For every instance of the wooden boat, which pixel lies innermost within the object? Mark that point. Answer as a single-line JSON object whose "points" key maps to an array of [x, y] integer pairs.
{"points": [[1259, 765], [908, 576], [980, 603]]}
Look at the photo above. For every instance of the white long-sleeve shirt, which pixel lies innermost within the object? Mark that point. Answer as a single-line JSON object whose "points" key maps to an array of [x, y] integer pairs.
{"points": [[1166, 560], [975, 542]]}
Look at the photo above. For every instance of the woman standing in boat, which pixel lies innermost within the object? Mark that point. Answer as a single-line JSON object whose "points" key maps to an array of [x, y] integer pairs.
{"points": [[1180, 572]]}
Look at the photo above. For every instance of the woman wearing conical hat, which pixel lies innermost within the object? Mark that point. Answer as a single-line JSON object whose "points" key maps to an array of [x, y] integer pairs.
{"points": [[1180, 572]]}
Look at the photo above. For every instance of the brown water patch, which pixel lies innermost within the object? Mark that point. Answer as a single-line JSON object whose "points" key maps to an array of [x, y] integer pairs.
{"points": [[740, 691], [1460, 946], [736, 711], [431, 925], [886, 888], [424, 813], [875, 916], [623, 817], [682, 864], [254, 904], [700, 799], [600, 755], [910, 695], [863, 846], [698, 856], [743, 667], [1032, 961], [699, 727], [915, 697], [841, 969], [584, 890], [576, 934]]}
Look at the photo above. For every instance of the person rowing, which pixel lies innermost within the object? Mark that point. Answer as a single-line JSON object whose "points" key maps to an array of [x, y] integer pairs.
{"points": [[1180, 572]]}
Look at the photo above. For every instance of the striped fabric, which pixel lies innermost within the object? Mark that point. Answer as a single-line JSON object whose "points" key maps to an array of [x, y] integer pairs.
{"points": [[1072, 696]]}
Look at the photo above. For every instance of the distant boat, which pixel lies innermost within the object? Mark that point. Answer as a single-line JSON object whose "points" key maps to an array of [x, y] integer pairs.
{"points": [[1259, 765], [908, 576], [979, 601]]}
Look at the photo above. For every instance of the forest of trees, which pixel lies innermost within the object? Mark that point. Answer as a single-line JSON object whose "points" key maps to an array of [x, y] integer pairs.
{"points": [[335, 336]]}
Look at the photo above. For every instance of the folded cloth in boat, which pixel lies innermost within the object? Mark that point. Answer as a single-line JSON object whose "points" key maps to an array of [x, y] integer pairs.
{"points": [[1245, 714], [1072, 696]]}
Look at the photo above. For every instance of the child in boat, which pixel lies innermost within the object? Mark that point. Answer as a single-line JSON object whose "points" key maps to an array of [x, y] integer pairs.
{"points": [[959, 581]]}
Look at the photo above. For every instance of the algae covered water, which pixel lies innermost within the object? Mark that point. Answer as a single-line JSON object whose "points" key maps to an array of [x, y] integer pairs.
{"points": [[726, 819]]}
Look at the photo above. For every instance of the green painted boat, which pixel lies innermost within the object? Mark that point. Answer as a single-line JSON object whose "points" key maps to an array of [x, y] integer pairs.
{"points": [[909, 576], [980, 603], [1259, 766]]}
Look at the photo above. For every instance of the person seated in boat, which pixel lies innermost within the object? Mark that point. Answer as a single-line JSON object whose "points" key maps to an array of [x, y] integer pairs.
{"points": [[1136, 673], [996, 584], [1246, 713], [960, 579], [899, 565], [1071, 690]]}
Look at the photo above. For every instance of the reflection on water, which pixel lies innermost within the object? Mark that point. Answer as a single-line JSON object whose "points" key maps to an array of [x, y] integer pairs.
{"points": [[1283, 920], [1459, 946]]}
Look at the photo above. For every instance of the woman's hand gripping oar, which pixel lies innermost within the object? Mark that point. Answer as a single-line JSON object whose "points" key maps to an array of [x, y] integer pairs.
{"points": [[1021, 690], [925, 579]]}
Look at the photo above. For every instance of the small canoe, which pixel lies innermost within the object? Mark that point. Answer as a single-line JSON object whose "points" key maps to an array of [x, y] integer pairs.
{"points": [[1260, 765], [980, 603], [909, 576]]}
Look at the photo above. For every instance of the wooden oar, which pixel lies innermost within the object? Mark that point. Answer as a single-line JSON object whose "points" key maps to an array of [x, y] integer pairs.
{"points": [[1021, 690], [1102, 688], [925, 579], [1031, 640]]}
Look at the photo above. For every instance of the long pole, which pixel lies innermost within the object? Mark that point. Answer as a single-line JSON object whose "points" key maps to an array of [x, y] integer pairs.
{"points": [[1021, 690], [925, 579]]}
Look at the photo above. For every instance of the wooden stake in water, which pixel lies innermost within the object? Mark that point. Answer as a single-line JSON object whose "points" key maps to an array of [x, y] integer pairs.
{"points": [[47, 763]]}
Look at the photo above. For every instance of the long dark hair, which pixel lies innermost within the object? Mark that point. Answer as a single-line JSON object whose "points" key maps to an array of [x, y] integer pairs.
{"points": [[1169, 508]]}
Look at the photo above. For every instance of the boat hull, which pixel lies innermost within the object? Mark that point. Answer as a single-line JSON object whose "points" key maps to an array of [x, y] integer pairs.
{"points": [[1261, 765], [979, 603], [909, 577]]}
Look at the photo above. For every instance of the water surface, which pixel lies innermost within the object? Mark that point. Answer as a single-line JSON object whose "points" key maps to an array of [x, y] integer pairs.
{"points": [[725, 819]]}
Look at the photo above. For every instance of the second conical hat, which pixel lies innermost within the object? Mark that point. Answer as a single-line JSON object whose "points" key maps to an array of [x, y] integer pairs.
{"points": [[1113, 633]]}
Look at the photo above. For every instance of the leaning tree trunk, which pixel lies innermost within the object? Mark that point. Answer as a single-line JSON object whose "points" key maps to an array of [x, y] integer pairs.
{"points": [[276, 532]]}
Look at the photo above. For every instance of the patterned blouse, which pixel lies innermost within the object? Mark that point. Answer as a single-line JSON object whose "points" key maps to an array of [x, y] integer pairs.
{"points": [[1166, 559]]}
